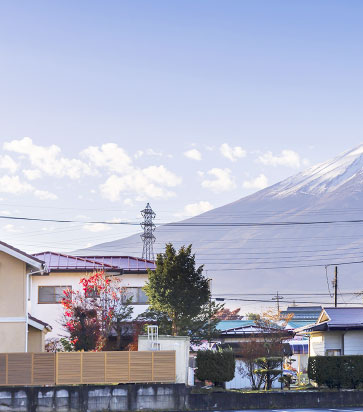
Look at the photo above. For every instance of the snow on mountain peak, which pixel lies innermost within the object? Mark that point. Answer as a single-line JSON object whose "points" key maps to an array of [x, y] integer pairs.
{"points": [[324, 177]]}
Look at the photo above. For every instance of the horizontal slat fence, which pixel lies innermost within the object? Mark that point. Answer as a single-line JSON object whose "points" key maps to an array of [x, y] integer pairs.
{"points": [[75, 368]]}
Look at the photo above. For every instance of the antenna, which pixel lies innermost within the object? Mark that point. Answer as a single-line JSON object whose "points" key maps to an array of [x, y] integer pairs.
{"points": [[148, 236]]}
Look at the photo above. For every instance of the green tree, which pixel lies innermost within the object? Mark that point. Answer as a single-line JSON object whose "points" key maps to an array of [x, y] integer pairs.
{"points": [[179, 295], [217, 366]]}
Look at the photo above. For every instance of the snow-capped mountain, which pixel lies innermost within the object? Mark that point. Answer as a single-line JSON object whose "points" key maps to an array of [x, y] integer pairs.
{"points": [[265, 258]]}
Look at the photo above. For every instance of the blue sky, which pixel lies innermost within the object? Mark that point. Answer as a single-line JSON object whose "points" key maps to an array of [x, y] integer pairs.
{"points": [[257, 90]]}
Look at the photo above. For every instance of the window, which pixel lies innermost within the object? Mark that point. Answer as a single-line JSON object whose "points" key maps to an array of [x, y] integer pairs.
{"points": [[51, 294], [138, 296], [92, 293], [333, 352]]}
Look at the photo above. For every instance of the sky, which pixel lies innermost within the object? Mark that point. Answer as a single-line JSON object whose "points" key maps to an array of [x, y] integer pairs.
{"points": [[108, 105]]}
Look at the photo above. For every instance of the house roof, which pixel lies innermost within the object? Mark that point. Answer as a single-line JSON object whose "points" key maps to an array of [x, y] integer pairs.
{"points": [[232, 324], [37, 323], [337, 319], [127, 263], [19, 254], [303, 313], [62, 262]]}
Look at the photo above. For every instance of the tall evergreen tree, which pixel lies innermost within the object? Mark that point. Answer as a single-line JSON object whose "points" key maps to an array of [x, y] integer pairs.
{"points": [[179, 294]]}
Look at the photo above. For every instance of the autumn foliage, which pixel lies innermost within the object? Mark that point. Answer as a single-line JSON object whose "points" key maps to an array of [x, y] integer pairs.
{"points": [[91, 312]]}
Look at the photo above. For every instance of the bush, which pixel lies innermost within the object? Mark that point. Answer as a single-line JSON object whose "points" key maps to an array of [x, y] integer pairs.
{"points": [[215, 366], [336, 371]]}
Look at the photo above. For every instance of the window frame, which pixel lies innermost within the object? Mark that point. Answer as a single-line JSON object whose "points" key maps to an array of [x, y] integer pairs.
{"points": [[139, 289], [54, 287]]}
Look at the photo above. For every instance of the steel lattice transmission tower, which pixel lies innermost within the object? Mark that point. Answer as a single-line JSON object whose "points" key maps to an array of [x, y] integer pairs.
{"points": [[148, 236]]}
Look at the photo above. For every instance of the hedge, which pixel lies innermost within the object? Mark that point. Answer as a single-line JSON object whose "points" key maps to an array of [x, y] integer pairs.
{"points": [[217, 366], [336, 371]]}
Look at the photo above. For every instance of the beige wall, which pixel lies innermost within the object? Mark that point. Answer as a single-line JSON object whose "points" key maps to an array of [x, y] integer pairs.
{"points": [[36, 340], [12, 337], [12, 286]]}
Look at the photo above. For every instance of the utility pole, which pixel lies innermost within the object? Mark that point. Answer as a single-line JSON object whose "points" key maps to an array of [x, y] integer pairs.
{"points": [[335, 282], [148, 237], [278, 298]]}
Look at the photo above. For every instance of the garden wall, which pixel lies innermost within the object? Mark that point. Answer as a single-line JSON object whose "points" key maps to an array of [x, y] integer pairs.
{"points": [[163, 397]]}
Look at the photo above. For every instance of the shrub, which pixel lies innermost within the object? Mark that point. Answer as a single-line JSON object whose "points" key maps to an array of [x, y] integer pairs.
{"points": [[336, 371], [215, 366]]}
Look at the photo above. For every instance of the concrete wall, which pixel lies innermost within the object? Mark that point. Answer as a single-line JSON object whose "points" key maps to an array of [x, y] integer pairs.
{"points": [[181, 345], [142, 397], [52, 313]]}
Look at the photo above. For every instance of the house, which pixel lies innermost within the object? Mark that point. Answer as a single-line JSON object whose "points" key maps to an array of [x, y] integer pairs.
{"points": [[338, 331], [19, 330], [239, 334], [66, 271]]}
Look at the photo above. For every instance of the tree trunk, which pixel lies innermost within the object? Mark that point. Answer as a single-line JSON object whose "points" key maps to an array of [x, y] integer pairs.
{"points": [[174, 327]]}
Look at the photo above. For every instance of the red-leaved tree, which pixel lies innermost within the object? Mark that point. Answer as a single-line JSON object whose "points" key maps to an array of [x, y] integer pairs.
{"points": [[94, 311]]}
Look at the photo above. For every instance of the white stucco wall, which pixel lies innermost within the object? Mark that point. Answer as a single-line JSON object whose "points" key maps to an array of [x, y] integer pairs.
{"points": [[317, 345], [181, 345], [332, 340], [52, 313], [353, 342], [241, 381]]}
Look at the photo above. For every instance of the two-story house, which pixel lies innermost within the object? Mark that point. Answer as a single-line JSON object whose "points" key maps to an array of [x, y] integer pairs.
{"points": [[66, 271], [19, 331]]}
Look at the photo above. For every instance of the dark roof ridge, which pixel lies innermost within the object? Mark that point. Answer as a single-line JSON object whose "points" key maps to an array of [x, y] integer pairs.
{"points": [[76, 257], [118, 256]]}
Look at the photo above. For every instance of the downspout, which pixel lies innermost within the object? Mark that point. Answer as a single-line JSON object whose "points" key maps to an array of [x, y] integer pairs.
{"points": [[27, 279]]}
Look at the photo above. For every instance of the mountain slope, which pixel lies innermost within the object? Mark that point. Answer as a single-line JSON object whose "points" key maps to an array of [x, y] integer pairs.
{"points": [[263, 259]]}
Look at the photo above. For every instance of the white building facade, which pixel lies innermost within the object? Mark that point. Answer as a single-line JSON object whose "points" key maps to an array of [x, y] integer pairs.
{"points": [[66, 272]]}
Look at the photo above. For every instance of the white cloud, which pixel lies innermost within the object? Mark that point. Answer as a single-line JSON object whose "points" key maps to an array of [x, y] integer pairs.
{"points": [[260, 182], [285, 158], [47, 159], [193, 154], [45, 195], [32, 174], [7, 162], [223, 181], [96, 227], [152, 152], [128, 202], [232, 153], [193, 209], [12, 229], [150, 182], [13, 185], [138, 154], [109, 156]]}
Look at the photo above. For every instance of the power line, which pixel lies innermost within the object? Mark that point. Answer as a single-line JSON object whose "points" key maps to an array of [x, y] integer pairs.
{"points": [[188, 224]]}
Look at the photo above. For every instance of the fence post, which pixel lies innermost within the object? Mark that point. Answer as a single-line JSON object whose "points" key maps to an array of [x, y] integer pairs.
{"points": [[152, 366], [56, 368], [6, 369], [32, 375], [82, 367], [105, 365], [129, 366]]}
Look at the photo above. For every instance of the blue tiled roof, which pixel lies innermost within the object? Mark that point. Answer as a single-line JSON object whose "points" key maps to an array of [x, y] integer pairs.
{"points": [[231, 324]]}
